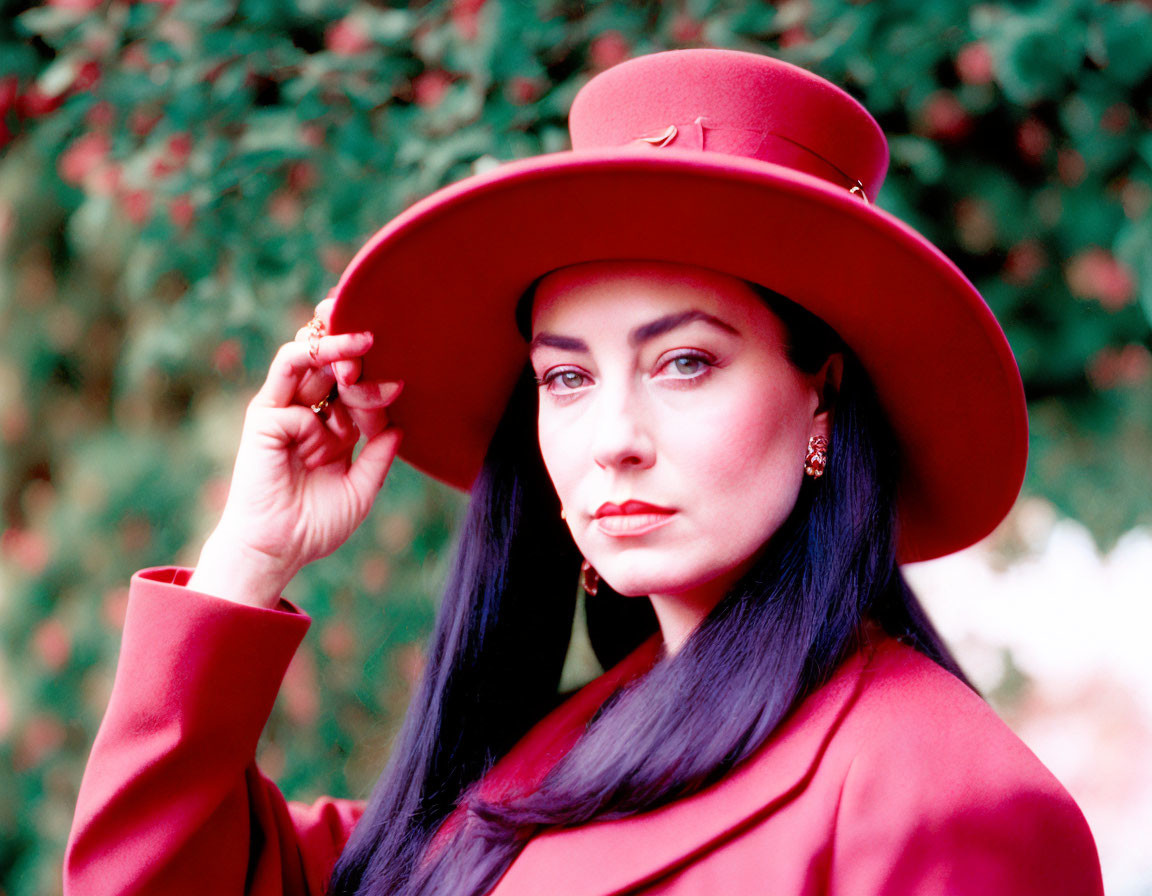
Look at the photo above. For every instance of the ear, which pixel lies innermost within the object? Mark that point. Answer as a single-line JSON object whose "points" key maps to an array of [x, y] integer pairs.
{"points": [[826, 382]]}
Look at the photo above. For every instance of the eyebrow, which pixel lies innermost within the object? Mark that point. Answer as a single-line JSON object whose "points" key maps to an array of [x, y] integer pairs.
{"points": [[640, 335]]}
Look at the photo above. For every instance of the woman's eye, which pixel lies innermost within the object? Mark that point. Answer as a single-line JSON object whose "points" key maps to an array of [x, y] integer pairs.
{"points": [[563, 381], [688, 366]]}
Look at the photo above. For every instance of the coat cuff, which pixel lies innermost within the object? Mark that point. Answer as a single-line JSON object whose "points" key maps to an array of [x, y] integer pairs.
{"points": [[163, 796], [214, 664]]}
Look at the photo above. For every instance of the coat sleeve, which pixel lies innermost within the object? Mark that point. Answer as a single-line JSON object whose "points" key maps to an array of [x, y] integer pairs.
{"points": [[171, 800], [961, 816]]}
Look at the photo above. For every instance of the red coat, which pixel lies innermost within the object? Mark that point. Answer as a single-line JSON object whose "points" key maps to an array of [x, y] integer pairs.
{"points": [[893, 778]]}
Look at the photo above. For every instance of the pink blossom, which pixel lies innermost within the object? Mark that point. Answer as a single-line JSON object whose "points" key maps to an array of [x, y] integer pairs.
{"points": [[1126, 366], [302, 176], [945, 118], [375, 572], [347, 38], [686, 29], [1025, 260], [312, 134], [114, 607], [9, 93], [338, 640], [335, 258], [1033, 140], [974, 63], [136, 205], [134, 57], [180, 146], [284, 209], [76, 5], [83, 156], [227, 358], [42, 735], [429, 87], [299, 692], [29, 550], [141, 121], [101, 115], [523, 91], [1071, 167], [1096, 274], [36, 103], [52, 644], [794, 37], [608, 49], [87, 76], [466, 18], [104, 181], [1116, 118]]}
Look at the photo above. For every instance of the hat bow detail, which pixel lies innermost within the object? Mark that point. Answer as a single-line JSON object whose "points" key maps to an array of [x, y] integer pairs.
{"points": [[703, 136]]}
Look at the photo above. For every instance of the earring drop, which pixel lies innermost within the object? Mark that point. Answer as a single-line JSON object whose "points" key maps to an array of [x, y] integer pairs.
{"points": [[589, 578], [817, 457], [563, 514]]}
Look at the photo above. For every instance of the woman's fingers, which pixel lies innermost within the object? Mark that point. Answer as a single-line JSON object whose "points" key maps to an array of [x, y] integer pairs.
{"points": [[316, 441], [339, 422], [295, 359], [367, 474], [367, 403], [370, 395], [345, 372], [315, 385]]}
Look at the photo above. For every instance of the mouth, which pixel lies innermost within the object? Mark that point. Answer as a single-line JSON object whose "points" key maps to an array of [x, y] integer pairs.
{"points": [[628, 508], [631, 518]]}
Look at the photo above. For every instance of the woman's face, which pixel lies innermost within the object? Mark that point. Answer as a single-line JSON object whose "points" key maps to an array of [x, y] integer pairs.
{"points": [[670, 385]]}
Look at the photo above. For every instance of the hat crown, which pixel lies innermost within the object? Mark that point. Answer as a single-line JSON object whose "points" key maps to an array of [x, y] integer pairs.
{"points": [[735, 103]]}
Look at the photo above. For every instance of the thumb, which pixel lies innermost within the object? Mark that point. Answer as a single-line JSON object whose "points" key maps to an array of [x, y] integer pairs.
{"points": [[367, 474]]}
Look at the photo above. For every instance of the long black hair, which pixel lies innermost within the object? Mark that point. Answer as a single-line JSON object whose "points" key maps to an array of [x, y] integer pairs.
{"points": [[502, 633]]}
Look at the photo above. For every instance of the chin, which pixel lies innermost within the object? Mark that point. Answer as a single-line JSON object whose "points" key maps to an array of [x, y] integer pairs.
{"points": [[640, 583]]}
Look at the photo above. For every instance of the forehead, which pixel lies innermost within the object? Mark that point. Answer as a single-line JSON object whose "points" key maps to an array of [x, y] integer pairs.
{"points": [[584, 295]]}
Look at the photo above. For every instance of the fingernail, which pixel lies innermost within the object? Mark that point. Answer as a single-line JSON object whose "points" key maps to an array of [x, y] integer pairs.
{"points": [[389, 391]]}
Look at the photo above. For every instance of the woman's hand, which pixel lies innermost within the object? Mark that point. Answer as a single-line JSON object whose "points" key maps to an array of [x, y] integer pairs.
{"points": [[296, 492]]}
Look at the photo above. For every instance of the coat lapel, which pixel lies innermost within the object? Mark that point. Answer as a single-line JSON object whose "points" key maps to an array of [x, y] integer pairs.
{"points": [[617, 856]]}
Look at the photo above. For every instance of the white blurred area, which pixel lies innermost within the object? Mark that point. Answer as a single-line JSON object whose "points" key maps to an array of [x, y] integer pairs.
{"points": [[1059, 637]]}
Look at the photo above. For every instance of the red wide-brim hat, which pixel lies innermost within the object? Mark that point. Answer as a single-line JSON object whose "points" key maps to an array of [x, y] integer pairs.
{"points": [[727, 160]]}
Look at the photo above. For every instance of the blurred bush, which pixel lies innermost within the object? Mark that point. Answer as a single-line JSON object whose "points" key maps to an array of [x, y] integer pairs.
{"points": [[181, 182]]}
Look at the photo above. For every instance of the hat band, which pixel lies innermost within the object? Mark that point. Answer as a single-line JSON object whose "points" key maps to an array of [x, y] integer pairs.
{"points": [[764, 146]]}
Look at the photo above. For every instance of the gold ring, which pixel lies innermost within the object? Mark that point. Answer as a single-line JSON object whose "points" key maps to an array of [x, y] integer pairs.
{"points": [[311, 333], [324, 402]]}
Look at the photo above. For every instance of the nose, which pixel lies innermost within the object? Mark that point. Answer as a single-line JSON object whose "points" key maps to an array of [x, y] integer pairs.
{"points": [[622, 439]]}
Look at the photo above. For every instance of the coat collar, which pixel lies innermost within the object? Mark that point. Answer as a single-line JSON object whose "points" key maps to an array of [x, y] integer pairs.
{"points": [[615, 856]]}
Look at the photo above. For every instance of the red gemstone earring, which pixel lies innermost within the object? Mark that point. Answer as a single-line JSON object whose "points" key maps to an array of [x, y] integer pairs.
{"points": [[589, 578], [817, 457]]}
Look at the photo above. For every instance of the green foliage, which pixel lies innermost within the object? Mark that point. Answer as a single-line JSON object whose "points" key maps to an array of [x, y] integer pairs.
{"points": [[182, 182]]}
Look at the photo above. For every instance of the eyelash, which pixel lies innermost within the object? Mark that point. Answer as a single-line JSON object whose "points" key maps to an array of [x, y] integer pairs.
{"points": [[546, 381]]}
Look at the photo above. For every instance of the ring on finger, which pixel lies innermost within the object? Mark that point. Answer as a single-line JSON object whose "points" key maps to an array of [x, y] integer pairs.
{"points": [[318, 408], [311, 333]]}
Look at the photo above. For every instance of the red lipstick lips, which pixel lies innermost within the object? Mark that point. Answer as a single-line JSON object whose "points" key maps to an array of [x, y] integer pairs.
{"points": [[632, 518], [611, 509]]}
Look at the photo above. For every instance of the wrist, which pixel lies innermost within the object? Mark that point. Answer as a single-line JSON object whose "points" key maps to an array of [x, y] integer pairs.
{"points": [[237, 572]]}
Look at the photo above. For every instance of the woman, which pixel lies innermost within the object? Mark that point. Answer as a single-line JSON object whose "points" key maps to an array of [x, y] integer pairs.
{"points": [[783, 718]]}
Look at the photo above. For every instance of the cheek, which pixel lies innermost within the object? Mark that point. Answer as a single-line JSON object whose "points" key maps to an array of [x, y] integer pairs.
{"points": [[558, 453], [747, 451]]}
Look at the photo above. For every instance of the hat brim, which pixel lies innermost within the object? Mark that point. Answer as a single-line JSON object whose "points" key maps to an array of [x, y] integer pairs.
{"points": [[438, 285]]}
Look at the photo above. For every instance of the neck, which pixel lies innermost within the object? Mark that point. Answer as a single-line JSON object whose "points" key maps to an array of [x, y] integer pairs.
{"points": [[679, 614], [677, 618]]}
